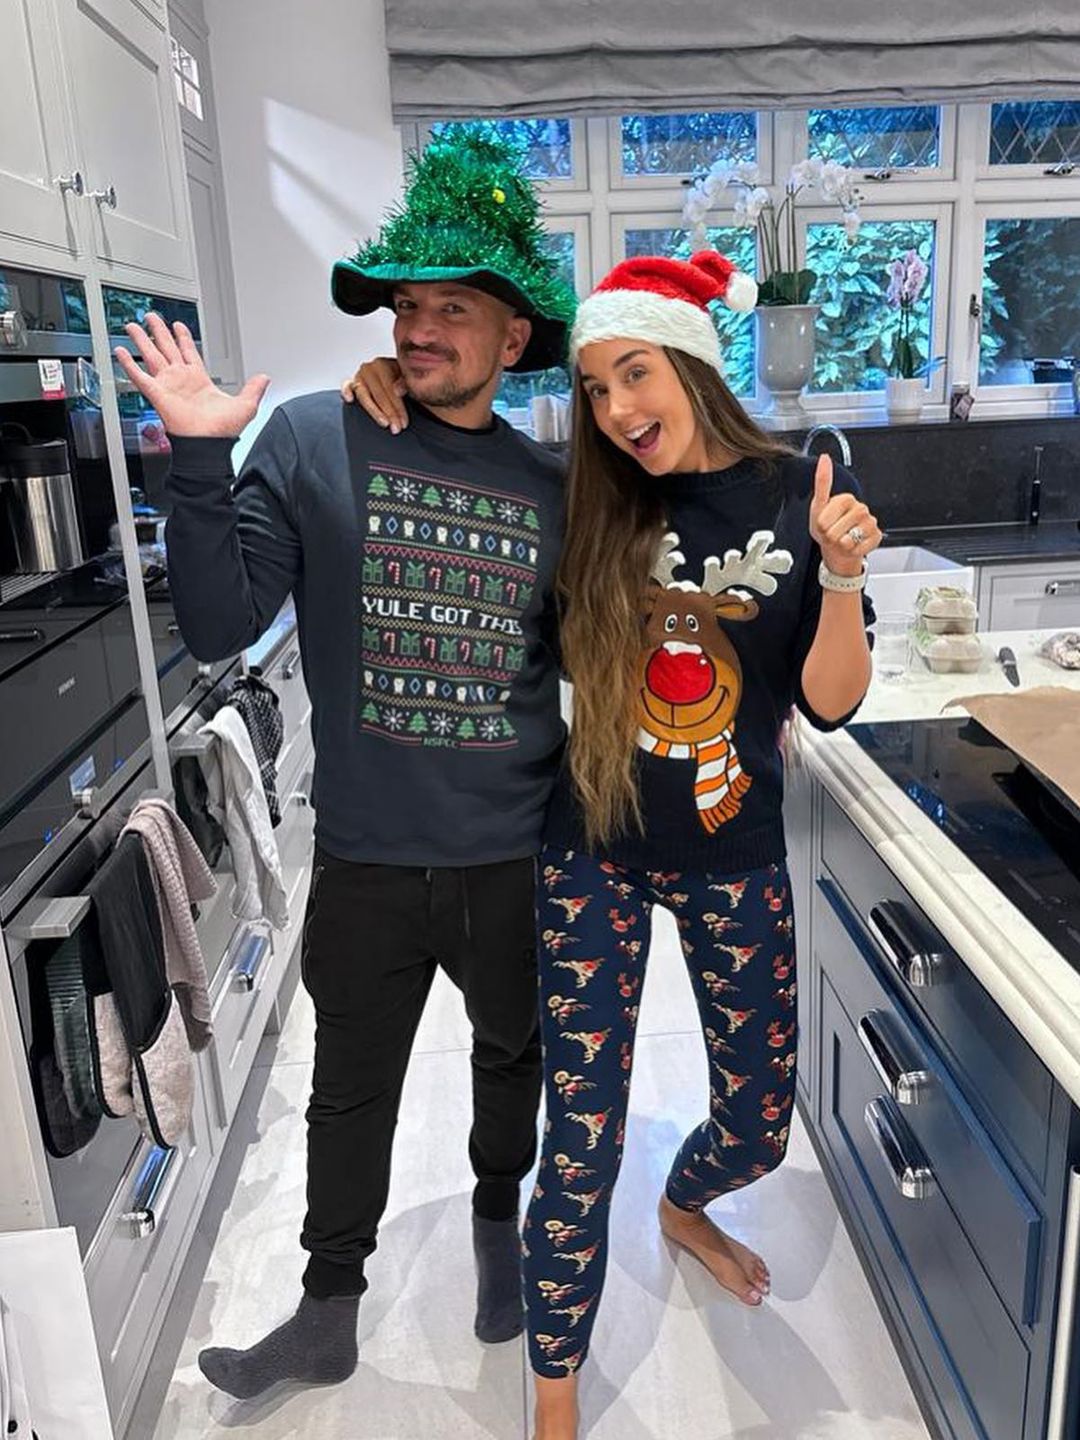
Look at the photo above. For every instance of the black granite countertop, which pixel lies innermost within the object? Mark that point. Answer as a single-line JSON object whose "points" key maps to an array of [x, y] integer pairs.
{"points": [[996, 544]]}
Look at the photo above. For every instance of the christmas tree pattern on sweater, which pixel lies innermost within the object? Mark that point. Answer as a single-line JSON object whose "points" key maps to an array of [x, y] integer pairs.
{"points": [[449, 569]]}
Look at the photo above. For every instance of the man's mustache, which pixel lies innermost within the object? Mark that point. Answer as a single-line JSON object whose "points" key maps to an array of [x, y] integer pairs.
{"points": [[431, 350]]}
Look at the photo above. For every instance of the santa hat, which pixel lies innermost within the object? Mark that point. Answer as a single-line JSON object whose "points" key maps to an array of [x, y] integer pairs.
{"points": [[665, 302]]}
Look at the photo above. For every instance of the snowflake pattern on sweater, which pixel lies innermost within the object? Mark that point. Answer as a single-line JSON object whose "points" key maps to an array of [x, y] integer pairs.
{"points": [[448, 571]]}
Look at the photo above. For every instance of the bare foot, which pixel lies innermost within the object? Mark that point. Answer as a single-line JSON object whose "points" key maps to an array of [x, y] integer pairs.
{"points": [[556, 1408], [731, 1264]]}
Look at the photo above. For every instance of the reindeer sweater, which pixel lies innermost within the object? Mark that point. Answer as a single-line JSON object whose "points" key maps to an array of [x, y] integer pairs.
{"points": [[422, 568], [722, 657]]}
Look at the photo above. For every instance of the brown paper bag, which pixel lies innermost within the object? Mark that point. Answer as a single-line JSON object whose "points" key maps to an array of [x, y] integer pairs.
{"points": [[1041, 726]]}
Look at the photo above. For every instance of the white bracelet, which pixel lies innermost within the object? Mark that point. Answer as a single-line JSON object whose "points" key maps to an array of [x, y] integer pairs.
{"points": [[846, 584]]}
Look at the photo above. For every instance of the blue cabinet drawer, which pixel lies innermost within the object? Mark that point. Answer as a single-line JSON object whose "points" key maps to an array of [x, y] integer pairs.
{"points": [[1003, 1226], [1007, 1083], [974, 1357]]}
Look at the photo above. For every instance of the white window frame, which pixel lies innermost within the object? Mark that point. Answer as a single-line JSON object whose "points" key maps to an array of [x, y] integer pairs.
{"points": [[856, 403], [577, 183], [677, 181], [1053, 399], [1007, 173], [944, 170], [959, 194], [580, 226], [623, 220]]}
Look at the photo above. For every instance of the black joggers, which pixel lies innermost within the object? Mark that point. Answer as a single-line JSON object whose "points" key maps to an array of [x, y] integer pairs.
{"points": [[373, 936]]}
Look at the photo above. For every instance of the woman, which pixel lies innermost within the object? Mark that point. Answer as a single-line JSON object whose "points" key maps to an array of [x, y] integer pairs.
{"points": [[711, 579]]}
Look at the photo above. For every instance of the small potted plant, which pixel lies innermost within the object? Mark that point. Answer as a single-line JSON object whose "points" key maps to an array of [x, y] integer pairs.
{"points": [[905, 388]]}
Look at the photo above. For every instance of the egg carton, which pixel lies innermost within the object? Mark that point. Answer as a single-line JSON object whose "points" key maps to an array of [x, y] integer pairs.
{"points": [[946, 610], [947, 653]]}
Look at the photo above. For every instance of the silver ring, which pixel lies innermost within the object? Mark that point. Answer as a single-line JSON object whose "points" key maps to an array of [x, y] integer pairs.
{"points": [[856, 534]]}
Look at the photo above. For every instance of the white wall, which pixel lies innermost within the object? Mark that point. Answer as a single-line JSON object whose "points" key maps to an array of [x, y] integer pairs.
{"points": [[311, 160]]}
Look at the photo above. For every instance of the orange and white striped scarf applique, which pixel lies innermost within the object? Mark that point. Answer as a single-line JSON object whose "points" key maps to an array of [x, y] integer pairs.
{"points": [[720, 782]]}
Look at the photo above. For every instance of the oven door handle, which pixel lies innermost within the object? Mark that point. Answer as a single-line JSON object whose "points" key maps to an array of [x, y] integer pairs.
{"points": [[148, 1200], [55, 918]]}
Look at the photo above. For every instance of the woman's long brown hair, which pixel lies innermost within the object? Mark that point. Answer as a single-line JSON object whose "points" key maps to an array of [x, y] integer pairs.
{"points": [[614, 521]]}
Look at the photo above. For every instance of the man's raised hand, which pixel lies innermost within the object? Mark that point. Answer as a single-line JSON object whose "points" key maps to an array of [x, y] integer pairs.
{"points": [[175, 381]]}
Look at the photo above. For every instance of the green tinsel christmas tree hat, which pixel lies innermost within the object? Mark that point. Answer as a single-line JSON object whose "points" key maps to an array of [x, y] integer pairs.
{"points": [[469, 214]]}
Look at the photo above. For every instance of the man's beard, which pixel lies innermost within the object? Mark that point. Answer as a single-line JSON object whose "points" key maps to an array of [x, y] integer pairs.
{"points": [[451, 395]]}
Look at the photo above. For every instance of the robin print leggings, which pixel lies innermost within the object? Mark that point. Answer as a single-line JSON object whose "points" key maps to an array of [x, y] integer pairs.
{"points": [[594, 923]]}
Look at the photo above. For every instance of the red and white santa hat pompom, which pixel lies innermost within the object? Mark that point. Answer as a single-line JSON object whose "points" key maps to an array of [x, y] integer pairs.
{"points": [[665, 302]]}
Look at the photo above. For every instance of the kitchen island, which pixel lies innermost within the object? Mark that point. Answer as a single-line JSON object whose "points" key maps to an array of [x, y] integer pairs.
{"points": [[940, 1052]]}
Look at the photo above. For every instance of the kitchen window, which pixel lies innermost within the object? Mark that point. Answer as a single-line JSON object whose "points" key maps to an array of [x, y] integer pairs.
{"points": [[880, 138], [640, 235], [984, 193], [651, 148], [186, 78], [856, 329], [1045, 132], [1031, 324]]}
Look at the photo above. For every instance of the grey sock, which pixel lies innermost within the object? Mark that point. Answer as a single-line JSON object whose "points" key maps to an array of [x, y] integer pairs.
{"points": [[316, 1346], [500, 1312]]}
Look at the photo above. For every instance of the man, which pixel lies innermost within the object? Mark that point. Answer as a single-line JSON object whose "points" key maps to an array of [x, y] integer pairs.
{"points": [[422, 569]]}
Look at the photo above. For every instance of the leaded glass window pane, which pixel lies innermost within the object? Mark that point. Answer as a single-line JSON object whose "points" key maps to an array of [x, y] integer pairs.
{"points": [[1043, 132], [736, 329], [548, 145], [889, 137], [856, 329], [1029, 297], [686, 144]]}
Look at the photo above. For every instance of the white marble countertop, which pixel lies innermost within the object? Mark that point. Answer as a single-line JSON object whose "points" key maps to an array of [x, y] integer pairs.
{"points": [[1032, 982]]}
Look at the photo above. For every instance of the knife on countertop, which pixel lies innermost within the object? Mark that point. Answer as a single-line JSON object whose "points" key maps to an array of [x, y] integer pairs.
{"points": [[1007, 661]]}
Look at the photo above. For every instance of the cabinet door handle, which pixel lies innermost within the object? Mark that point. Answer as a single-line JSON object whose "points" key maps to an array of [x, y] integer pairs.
{"points": [[289, 664], [1063, 587], [20, 635], [72, 183], [908, 1166], [893, 931], [147, 1201], [252, 954], [104, 197], [907, 1083]]}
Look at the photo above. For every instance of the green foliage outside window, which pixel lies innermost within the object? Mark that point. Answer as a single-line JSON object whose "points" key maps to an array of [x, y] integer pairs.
{"points": [[1030, 304], [856, 330]]}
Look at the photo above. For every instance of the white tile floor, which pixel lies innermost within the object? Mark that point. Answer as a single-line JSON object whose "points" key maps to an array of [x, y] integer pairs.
{"points": [[671, 1356]]}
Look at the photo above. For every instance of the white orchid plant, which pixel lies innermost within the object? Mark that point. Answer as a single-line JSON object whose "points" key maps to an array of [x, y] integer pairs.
{"points": [[786, 281]]}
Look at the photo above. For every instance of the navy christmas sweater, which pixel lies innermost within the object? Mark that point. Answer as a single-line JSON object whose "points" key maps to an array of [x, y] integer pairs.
{"points": [[734, 616], [422, 566]]}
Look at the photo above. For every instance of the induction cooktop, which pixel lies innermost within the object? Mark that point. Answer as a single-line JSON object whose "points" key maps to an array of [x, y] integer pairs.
{"points": [[1010, 821]]}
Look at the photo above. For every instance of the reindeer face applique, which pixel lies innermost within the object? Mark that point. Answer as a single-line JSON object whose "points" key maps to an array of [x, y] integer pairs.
{"points": [[690, 678]]}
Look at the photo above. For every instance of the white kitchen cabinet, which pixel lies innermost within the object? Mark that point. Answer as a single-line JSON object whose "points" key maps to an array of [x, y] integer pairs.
{"points": [[217, 295], [35, 142], [1030, 596], [118, 70]]}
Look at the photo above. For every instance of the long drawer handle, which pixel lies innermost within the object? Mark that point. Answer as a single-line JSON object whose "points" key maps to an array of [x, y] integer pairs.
{"points": [[911, 1174], [145, 1210], [252, 954], [910, 958], [1067, 1315], [289, 664], [907, 1083], [1063, 587], [19, 635]]}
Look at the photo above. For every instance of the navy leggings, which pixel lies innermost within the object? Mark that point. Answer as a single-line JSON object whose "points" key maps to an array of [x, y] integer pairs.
{"points": [[594, 923]]}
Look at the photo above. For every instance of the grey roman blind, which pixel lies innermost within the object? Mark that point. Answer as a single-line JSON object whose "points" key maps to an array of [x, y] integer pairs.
{"points": [[453, 58]]}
